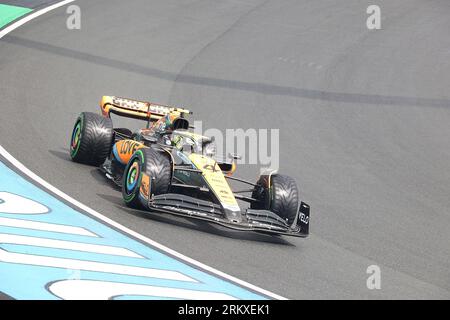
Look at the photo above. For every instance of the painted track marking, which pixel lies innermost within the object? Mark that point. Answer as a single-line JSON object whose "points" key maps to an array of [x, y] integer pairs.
{"points": [[44, 226], [66, 245], [32, 16]]}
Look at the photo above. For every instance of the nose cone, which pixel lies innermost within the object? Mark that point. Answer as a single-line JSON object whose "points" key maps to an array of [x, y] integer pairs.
{"points": [[233, 214]]}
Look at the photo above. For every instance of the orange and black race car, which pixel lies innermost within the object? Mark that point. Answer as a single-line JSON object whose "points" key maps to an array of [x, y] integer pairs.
{"points": [[167, 168]]}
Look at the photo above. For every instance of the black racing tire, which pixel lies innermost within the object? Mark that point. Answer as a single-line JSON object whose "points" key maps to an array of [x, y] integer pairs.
{"points": [[92, 139], [154, 163], [282, 197]]}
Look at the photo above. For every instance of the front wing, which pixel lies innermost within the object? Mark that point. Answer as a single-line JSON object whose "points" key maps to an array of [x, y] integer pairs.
{"points": [[252, 220]]}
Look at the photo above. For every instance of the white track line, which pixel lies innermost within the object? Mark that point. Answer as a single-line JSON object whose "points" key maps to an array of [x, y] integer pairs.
{"points": [[66, 245], [74, 264], [43, 226], [32, 16], [91, 290], [94, 213]]}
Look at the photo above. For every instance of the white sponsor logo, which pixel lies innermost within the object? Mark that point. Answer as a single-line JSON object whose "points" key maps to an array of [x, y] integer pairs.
{"points": [[304, 218]]}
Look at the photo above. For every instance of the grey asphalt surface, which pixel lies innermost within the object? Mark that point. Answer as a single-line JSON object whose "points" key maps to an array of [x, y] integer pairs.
{"points": [[363, 116]]}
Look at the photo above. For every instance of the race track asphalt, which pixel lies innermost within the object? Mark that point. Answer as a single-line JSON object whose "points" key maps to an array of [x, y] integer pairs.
{"points": [[363, 116]]}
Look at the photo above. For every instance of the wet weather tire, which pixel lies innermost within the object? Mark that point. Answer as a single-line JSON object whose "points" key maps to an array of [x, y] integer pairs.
{"points": [[282, 197], [153, 163], [92, 139]]}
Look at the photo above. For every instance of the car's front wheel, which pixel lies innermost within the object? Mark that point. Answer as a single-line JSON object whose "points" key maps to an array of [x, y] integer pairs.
{"points": [[280, 196], [149, 172]]}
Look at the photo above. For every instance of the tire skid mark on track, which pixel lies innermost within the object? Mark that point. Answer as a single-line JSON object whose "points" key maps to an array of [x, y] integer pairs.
{"points": [[261, 88]]}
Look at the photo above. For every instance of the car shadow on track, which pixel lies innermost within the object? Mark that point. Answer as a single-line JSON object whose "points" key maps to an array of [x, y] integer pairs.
{"points": [[100, 177], [63, 155], [197, 225], [95, 172]]}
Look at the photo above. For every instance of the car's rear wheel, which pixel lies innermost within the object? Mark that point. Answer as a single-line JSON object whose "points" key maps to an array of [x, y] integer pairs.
{"points": [[149, 172], [281, 196], [92, 139]]}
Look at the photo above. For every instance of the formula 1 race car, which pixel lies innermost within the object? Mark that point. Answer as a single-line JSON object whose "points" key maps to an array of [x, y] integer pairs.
{"points": [[167, 168]]}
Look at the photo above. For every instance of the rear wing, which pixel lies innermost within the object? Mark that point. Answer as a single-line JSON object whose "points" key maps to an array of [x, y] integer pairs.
{"points": [[138, 109]]}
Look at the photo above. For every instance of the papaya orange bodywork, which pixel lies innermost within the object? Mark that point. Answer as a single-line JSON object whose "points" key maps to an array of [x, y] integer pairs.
{"points": [[145, 185], [137, 109], [124, 149]]}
